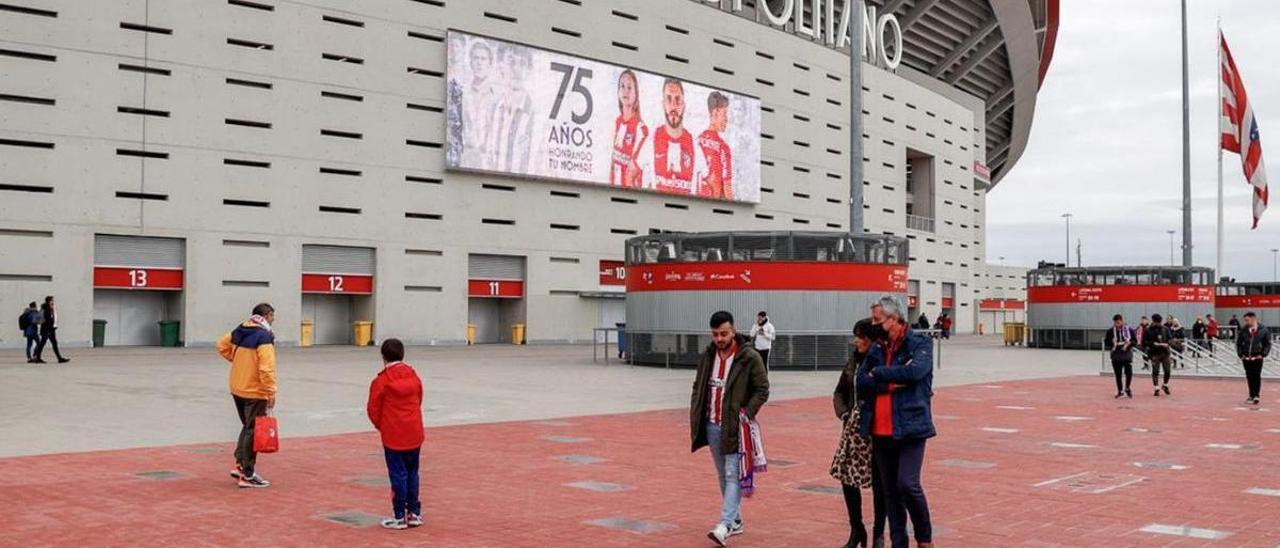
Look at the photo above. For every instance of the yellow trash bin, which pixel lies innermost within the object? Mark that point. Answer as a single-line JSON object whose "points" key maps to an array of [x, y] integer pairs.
{"points": [[363, 333], [517, 334], [471, 334], [308, 333]]}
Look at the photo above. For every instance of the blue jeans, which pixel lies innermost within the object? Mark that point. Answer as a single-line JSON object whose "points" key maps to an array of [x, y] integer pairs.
{"points": [[33, 341], [727, 466], [402, 467]]}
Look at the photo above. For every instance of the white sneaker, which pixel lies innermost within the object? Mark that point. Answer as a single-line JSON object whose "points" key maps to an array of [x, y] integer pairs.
{"points": [[394, 524], [413, 520], [736, 529], [719, 535]]}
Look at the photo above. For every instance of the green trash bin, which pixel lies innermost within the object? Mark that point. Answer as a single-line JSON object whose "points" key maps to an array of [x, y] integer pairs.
{"points": [[99, 332], [169, 333]]}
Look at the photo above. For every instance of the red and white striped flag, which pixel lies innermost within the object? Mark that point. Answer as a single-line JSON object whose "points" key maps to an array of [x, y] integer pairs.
{"points": [[1239, 129]]}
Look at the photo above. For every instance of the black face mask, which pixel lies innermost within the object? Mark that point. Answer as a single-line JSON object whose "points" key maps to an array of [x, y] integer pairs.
{"points": [[877, 332]]}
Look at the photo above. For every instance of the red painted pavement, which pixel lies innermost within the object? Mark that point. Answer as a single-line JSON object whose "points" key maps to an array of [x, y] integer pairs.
{"points": [[501, 484]]}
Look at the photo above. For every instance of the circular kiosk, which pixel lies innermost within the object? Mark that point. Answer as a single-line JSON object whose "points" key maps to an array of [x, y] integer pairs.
{"points": [[1237, 298], [814, 285], [1072, 307]]}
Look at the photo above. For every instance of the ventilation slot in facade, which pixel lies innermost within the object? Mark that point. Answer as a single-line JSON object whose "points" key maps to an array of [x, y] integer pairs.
{"points": [[342, 58], [27, 99], [145, 70], [142, 153], [343, 96], [335, 209], [245, 203], [143, 196], [343, 172], [249, 83], [250, 44], [145, 28], [28, 11]]}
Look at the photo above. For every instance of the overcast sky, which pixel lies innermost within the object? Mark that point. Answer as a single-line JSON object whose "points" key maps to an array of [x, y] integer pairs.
{"points": [[1106, 142]]}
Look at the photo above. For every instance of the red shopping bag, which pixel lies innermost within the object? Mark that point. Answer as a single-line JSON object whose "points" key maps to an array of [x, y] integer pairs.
{"points": [[266, 434]]}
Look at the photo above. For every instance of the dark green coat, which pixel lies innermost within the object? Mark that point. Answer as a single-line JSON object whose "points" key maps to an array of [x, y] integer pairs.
{"points": [[746, 388]]}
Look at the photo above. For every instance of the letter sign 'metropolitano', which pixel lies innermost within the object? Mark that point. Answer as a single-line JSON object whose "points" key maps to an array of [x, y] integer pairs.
{"points": [[822, 25]]}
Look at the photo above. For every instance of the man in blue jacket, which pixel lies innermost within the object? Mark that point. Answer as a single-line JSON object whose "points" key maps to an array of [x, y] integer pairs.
{"points": [[896, 414], [29, 322]]}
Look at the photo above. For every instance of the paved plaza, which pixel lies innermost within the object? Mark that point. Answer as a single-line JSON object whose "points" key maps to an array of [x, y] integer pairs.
{"points": [[538, 447]]}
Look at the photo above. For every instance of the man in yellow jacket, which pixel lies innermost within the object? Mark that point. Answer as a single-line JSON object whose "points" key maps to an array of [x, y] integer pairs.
{"points": [[251, 350]]}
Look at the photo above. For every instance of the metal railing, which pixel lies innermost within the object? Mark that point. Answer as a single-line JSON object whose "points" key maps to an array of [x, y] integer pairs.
{"points": [[923, 224], [1217, 360]]}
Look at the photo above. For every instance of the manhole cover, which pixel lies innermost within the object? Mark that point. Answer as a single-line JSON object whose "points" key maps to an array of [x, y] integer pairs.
{"points": [[353, 519], [1161, 466], [820, 489], [637, 526], [1092, 483], [372, 481], [565, 439], [971, 464], [599, 486], [160, 475], [581, 459]]}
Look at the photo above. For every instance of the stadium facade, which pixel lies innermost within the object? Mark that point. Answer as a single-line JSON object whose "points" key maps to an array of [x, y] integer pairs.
{"points": [[429, 164]]}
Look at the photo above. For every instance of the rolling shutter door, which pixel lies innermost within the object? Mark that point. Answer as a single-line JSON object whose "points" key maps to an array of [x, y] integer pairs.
{"points": [[138, 251], [329, 259], [495, 267]]}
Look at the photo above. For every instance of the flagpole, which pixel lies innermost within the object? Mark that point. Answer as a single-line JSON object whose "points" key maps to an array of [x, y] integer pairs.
{"points": [[1218, 145], [1186, 148]]}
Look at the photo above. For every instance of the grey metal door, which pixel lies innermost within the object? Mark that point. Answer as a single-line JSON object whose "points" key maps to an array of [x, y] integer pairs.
{"points": [[332, 317], [132, 316], [486, 315]]}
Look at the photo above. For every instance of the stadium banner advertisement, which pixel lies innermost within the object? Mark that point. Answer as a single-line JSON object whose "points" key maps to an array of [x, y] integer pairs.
{"points": [[518, 110]]}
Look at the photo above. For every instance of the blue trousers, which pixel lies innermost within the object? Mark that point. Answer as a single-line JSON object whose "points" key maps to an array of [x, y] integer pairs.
{"points": [[33, 341], [402, 468], [727, 465], [898, 463]]}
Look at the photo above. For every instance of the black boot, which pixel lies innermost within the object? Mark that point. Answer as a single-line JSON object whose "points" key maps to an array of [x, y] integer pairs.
{"points": [[857, 537]]}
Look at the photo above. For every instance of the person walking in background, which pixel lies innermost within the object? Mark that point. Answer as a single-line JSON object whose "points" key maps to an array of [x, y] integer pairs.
{"points": [[1157, 338], [251, 349], [1141, 333], [1177, 338], [395, 409], [1253, 344], [731, 379], [946, 326], [1211, 331], [1234, 322], [29, 323], [895, 384], [1119, 341], [852, 464], [1199, 331], [49, 331], [762, 335], [922, 322]]}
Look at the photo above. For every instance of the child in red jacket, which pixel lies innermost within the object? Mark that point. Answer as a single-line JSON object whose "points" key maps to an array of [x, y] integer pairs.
{"points": [[395, 408]]}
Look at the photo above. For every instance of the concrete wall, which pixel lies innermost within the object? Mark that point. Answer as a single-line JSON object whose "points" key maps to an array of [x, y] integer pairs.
{"points": [[70, 191]]}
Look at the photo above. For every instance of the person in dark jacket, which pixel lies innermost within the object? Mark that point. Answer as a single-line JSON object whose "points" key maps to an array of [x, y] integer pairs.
{"points": [[731, 377], [922, 322], [395, 409], [895, 385], [1253, 344], [29, 323], [1199, 331], [853, 465], [49, 331], [1141, 332], [1119, 341], [1156, 338], [1177, 338]]}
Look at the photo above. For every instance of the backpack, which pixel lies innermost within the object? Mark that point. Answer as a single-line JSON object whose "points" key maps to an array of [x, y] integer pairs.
{"points": [[24, 321]]}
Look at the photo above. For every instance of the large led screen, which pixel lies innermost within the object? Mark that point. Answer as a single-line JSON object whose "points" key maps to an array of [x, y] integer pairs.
{"points": [[518, 110]]}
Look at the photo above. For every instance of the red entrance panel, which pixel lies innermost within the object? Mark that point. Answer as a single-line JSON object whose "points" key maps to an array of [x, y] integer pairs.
{"points": [[764, 276], [156, 279], [344, 284], [495, 289], [1002, 304], [913, 301], [613, 273], [948, 302], [1248, 301], [1121, 294]]}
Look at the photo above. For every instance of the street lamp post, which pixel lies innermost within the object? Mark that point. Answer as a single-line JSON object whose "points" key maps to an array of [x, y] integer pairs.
{"points": [[1273, 264], [1171, 233], [1067, 261]]}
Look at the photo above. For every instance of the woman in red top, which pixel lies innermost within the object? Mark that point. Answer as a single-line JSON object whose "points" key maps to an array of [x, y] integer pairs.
{"points": [[629, 134], [395, 409]]}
